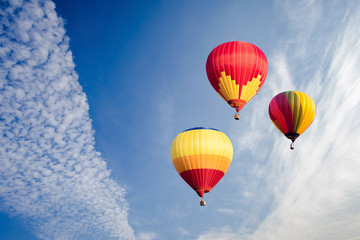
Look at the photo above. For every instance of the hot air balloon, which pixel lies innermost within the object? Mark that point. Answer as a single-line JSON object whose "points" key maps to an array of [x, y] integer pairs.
{"points": [[292, 112], [201, 156], [237, 70]]}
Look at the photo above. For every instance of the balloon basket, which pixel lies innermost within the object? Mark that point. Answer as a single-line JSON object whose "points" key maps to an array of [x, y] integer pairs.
{"points": [[292, 146], [236, 116]]}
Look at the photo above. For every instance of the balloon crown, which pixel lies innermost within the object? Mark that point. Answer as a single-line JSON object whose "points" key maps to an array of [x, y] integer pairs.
{"points": [[197, 128]]}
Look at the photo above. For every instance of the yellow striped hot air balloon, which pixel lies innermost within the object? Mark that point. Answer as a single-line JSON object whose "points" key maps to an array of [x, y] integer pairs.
{"points": [[201, 156], [292, 112]]}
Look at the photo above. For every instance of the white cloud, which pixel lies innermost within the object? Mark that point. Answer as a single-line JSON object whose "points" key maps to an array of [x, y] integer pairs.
{"points": [[182, 231], [51, 174], [224, 233], [280, 79], [146, 236], [302, 17], [225, 210]]}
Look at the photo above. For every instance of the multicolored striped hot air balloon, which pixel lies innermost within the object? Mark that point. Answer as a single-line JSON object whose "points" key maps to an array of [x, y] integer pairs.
{"points": [[201, 156], [292, 112], [237, 70]]}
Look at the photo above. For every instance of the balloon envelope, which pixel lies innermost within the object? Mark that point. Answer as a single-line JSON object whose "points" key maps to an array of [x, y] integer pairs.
{"points": [[292, 112], [201, 156], [237, 70]]}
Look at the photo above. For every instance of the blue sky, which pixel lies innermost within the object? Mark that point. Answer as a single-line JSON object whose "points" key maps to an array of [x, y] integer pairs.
{"points": [[93, 94]]}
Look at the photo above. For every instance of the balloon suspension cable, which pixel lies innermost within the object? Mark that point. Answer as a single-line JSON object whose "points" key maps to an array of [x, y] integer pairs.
{"points": [[202, 202]]}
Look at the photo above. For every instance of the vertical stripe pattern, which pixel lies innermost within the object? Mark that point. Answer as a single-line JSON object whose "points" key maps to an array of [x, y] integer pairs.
{"points": [[292, 112]]}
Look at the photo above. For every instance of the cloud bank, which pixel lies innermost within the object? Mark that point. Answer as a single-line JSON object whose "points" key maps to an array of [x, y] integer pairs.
{"points": [[315, 189], [51, 175]]}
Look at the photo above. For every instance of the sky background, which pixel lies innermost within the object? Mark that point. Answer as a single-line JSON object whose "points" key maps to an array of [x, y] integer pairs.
{"points": [[93, 93]]}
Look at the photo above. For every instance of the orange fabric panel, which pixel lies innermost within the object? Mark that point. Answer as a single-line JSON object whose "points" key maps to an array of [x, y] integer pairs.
{"points": [[202, 161]]}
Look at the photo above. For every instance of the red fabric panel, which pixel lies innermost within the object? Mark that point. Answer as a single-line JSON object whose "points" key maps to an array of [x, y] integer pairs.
{"points": [[202, 180], [281, 114], [286, 111]]}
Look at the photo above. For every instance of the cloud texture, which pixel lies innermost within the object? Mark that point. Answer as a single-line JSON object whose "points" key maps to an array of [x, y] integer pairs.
{"points": [[317, 187], [50, 174]]}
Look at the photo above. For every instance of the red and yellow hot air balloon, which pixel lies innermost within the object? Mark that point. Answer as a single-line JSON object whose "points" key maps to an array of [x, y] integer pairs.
{"points": [[201, 156], [237, 70], [292, 112]]}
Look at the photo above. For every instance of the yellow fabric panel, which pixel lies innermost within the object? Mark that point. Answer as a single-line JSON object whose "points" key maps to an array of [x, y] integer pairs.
{"points": [[249, 90], [296, 108], [309, 111], [202, 161], [228, 87], [201, 142]]}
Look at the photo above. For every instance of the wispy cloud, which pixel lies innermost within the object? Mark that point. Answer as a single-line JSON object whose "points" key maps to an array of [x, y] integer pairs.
{"points": [[302, 17], [315, 190], [51, 175], [319, 186]]}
